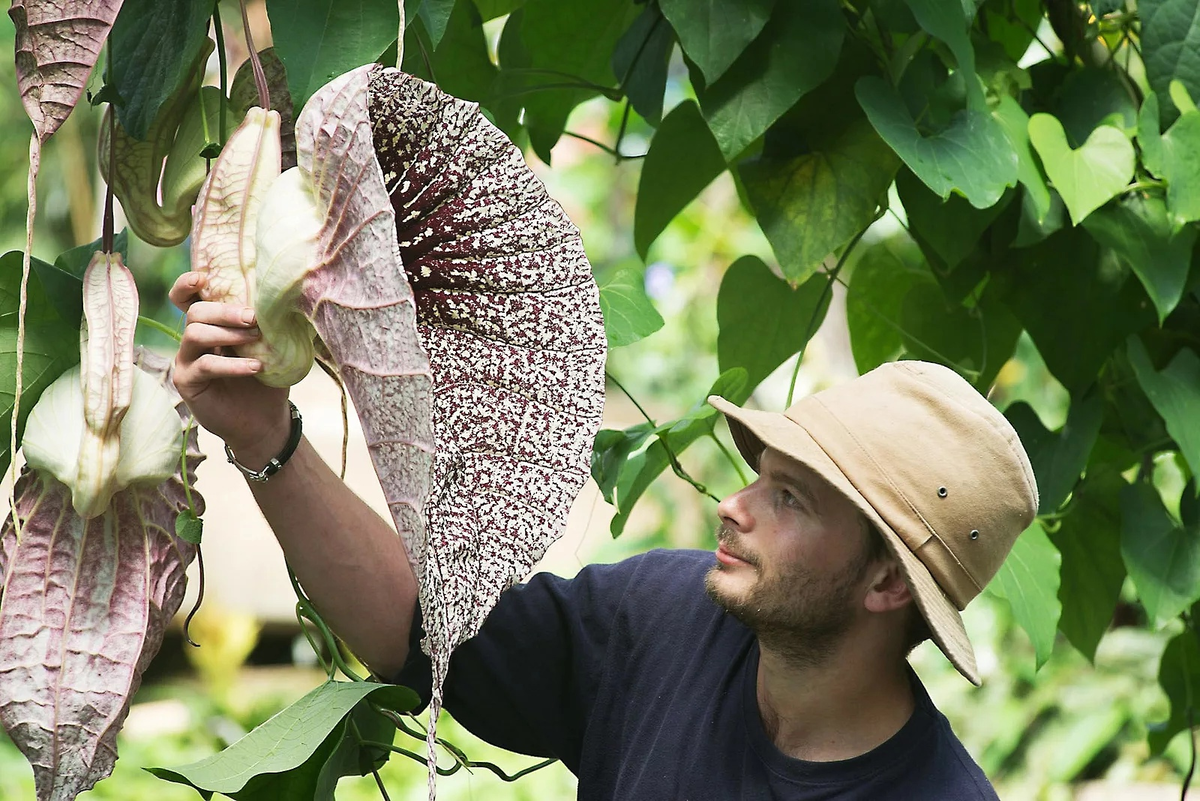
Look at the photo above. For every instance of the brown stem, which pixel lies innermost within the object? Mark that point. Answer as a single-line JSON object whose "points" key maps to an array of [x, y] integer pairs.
{"points": [[187, 623], [260, 77], [109, 222]]}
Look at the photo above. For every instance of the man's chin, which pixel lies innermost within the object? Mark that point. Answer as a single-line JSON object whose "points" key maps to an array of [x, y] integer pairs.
{"points": [[725, 590]]}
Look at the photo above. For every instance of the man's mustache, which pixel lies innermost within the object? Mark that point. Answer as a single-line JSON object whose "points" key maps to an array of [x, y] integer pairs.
{"points": [[728, 540]]}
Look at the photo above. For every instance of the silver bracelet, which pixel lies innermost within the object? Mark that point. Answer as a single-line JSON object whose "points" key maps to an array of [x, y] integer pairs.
{"points": [[277, 463]]}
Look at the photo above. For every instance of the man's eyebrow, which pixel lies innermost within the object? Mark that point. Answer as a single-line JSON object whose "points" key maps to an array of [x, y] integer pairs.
{"points": [[796, 483]]}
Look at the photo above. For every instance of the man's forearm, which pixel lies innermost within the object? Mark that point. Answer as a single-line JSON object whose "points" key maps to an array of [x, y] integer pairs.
{"points": [[349, 561]]}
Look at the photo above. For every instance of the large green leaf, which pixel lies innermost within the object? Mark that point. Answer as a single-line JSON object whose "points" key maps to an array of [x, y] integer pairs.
{"points": [[1091, 97], [947, 229], [628, 313], [286, 756], [972, 155], [874, 301], [762, 319], [1179, 677], [714, 33], [1016, 124], [1161, 554], [811, 205], [1028, 580], [950, 21], [317, 40], [974, 341], [1092, 572], [682, 160], [1160, 254], [460, 62], [640, 59], [1170, 46], [154, 44], [51, 343], [490, 9], [795, 53], [1058, 457], [1174, 155], [1175, 393], [625, 463], [575, 39], [1077, 303], [1086, 177], [435, 15]]}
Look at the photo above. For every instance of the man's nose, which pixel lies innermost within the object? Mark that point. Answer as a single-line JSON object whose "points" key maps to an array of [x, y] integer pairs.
{"points": [[734, 510]]}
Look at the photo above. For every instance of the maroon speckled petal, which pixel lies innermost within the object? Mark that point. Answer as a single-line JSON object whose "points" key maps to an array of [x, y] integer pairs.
{"points": [[58, 42], [510, 316], [82, 614]]}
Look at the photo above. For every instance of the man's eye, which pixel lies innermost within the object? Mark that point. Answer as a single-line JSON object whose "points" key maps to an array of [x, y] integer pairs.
{"points": [[786, 498]]}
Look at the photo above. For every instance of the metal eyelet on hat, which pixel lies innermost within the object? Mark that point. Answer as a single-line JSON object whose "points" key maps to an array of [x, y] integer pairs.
{"points": [[974, 534], [942, 492]]}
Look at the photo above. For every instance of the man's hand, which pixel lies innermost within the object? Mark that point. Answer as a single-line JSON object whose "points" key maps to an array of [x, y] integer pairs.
{"points": [[220, 388]]}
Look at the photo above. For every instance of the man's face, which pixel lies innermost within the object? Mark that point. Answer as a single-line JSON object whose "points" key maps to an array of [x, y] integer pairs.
{"points": [[792, 560]]}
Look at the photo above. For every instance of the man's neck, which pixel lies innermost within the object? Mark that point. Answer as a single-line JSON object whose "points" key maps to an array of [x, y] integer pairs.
{"points": [[844, 707]]}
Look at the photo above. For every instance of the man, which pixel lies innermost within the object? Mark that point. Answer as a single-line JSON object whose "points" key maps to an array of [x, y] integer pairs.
{"points": [[881, 508]]}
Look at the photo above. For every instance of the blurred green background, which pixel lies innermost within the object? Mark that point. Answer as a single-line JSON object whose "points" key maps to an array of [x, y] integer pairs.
{"points": [[1070, 730]]}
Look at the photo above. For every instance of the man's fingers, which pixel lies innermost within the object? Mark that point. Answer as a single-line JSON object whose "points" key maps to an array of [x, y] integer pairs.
{"points": [[209, 367], [186, 290], [227, 314], [200, 338]]}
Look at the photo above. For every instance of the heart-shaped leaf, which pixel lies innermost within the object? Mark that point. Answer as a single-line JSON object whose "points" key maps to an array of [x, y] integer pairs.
{"points": [[715, 32], [1170, 41], [1179, 677], [629, 315], [1089, 176], [1161, 554], [1028, 580], [1141, 233], [1175, 154], [1058, 458], [83, 611], [640, 60], [57, 46], [1016, 124], [1175, 393], [972, 155]]}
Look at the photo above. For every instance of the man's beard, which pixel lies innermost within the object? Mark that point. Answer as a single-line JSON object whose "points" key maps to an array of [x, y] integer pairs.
{"points": [[797, 613]]}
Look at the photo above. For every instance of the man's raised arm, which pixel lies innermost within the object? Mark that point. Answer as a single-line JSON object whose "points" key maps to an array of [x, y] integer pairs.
{"points": [[349, 561]]}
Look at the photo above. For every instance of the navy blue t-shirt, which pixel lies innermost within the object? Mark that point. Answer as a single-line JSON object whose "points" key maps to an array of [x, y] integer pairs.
{"points": [[645, 689]]}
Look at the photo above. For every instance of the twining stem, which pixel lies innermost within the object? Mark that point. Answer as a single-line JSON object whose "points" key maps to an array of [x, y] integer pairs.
{"points": [[331, 371], [166, 330], [260, 77], [35, 159], [191, 502], [306, 610], [187, 623], [821, 303], [358, 738], [496, 769], [729, 456], [223, 65], [612, 151]]}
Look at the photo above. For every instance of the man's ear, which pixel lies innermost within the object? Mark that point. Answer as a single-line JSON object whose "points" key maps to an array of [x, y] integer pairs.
{"points": [[888, 590]]}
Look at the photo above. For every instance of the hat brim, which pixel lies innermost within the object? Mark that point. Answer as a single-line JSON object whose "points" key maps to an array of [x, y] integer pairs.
{"points": [[755, 430]]}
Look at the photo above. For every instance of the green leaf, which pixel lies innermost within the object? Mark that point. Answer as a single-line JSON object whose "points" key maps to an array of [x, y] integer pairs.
{"points": [[575, 39], [1105, 304], [435, 14], [762, 319], [188, 527], [874, 300], [640, 62], [1028, 579], [1161, 554], [974, 341], [1138, 229], [682, 160], [811, 205], [1179, 677], [317, 40], [63, 282], [1174, 156], [625, 463], [971, 155], [714, 33], [1091, 97], [947, 229], [51, 344], [795, 53], [1016, 124], [490, 9], [1089, 539], [154, 44], [1031, 229], [1170, 46], [949, 21], [1059, 457], [461, 62], [628, 313], [258, 765], [1090, 176], [1175, 393]]}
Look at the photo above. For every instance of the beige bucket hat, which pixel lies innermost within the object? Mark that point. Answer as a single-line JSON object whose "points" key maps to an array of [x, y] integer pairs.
{"points": [[929, 461]]}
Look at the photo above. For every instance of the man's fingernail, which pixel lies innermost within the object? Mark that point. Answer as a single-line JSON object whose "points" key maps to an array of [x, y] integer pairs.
{"points": [[193, 279], [256, 366], [248, 315]]}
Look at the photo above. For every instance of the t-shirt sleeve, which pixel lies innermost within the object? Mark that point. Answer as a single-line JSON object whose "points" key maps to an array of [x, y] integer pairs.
{"points": [[528, 680]]}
